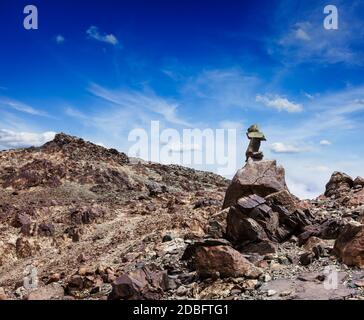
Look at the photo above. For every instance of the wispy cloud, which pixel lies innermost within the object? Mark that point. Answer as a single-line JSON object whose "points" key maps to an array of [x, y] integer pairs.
{"points": [[135, 100], [325, 143], [21, 107], [12, 139], [94, 33], [301, 34], [221, 88], [279, 103], [280, 147], [330, 117]]}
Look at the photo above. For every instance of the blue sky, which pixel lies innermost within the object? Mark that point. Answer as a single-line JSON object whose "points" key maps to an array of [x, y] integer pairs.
{"points": [[97, 70]]}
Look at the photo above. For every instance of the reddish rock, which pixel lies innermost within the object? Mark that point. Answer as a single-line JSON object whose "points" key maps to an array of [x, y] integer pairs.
{"points": [[339, 184], [139, 284], [241, 228], [359, 181], [284, 198], [225, 261], [349, 246], [217, 224], [256, 177], [354, 200], [262, 248]]}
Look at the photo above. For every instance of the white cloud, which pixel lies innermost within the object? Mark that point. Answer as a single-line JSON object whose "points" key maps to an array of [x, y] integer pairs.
{"points": [[308, 41], [225, 88], [134, 100], [60, 39], [279, 103], [20, 106], [301, 190], [309, 96], [94, 33], [325, 143], [302, 35], [280, 147], [12, 139]]}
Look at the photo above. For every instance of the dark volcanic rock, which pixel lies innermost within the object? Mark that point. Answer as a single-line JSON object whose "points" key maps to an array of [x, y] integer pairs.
{"points": [[251, 223]]}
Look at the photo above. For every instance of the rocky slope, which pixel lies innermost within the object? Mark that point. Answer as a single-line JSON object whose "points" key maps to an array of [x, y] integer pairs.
{"points": [[78, 221]]}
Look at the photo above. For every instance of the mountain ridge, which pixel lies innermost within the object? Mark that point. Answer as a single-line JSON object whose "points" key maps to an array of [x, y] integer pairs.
{"points": [[91, 223]]}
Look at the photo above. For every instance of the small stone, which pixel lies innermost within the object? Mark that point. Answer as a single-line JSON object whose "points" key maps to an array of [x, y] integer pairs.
{"points": [[81, 258], [285, 293], [181, 291], [271, 293], [275, 266], [267, 278], [283, 260], [235, 291], [359, 283], [83, 271], [307, 258], [262, 264], [293, 239], [250, 284], [167, 238], [54, 277]]}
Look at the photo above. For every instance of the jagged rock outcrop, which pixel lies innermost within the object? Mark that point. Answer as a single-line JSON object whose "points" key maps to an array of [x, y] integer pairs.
{"points": [[345, 190], [262, 210], [253, 225], [339, 184], [256, 177]]}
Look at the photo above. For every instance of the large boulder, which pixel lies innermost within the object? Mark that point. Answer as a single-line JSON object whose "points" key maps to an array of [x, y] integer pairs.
{"points": [[340, 184], [256, 177], [349, 246], [250, 220], [254, 224], [224, 261]]}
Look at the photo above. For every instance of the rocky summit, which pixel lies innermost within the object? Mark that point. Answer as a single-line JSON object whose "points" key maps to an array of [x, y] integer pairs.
{"points": [[79, 221]]}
